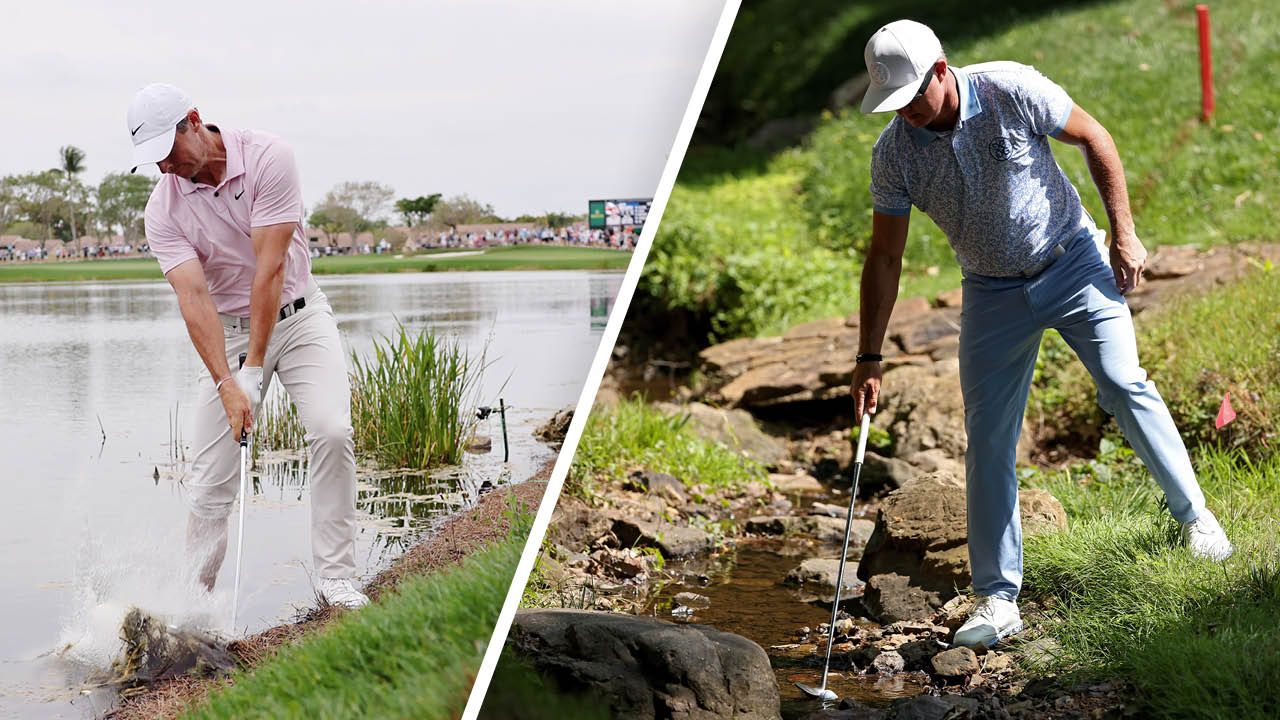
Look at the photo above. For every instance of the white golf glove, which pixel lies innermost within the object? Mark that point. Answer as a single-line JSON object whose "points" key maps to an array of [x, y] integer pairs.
{"points": [[250, 381]]}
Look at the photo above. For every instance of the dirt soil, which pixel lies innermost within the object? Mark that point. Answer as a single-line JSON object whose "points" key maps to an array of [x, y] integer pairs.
{"points": [[462, 535]]}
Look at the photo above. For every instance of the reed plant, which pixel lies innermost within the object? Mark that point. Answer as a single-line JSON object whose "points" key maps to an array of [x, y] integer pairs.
{"points": [[413, 399]]}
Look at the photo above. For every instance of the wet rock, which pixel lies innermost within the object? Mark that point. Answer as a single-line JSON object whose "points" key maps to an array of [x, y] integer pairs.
{"points": [[672, 541], [643, 667], [930, 707], [816, 577], [554, 430], [955, 663], [917, 653], [819, 527], [693, 600], [918, 554], [888, 662], [797, 483], [479, 445], [848, 709], [153, 650], [735, 429]]}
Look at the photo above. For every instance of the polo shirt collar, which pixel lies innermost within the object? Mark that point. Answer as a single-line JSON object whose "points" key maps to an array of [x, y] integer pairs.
{"points": [[969, 106], [235, 162]]}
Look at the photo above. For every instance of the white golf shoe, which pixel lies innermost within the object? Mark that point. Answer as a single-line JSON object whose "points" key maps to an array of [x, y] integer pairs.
{"points": [[991, 621], [341, 592], [1205, 538]]}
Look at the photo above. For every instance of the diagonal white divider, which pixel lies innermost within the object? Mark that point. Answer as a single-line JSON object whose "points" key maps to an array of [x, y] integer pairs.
{"points": [[592, 383]]}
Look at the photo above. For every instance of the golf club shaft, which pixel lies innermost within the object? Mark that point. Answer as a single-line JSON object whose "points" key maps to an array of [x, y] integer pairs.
{"points": [[844, 552], [244, 459]]}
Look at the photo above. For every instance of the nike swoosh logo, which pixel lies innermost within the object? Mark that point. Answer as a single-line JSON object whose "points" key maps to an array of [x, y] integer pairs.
{"points": [[135, 130], [241, 193]]}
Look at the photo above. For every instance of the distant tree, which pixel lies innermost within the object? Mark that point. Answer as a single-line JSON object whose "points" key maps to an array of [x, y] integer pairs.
{"points": [[122, 201], [353, 207], [71, 163], [38, 198], [463, 210], [417, 210], [559, 219]]}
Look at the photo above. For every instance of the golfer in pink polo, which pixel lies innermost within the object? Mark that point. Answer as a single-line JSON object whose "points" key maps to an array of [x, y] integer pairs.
{"points": [[225, 222]]}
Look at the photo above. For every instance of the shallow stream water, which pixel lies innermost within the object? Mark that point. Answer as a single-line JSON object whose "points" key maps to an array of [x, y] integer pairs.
{"points": [[95, 382]]}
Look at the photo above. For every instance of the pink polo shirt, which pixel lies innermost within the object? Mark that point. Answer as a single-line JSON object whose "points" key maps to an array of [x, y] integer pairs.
{"points": [[186, 221]]}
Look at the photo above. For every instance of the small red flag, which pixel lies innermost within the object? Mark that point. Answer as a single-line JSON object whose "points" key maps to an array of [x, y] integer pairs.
{"points": [[1225, 413]]}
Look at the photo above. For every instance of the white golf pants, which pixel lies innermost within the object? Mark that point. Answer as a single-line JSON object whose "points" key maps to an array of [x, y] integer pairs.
{"points": [[305, 353]]}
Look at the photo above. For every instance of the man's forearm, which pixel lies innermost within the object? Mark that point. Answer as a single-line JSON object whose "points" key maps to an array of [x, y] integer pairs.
{"points": [[205, 330], [1108, 174], [879, 292], [264, 311]]}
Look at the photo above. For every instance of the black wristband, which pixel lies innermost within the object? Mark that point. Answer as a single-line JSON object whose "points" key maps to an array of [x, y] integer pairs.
{"points": [[868, 357]]}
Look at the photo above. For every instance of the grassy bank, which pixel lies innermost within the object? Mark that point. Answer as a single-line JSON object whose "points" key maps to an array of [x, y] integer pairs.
{"points": [[1195, 638], [631, 435], [414, 654], [751, 243], [1196, 349], [499, 258]]}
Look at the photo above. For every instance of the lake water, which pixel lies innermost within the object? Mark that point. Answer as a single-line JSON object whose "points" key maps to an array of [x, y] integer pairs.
{"points": [[95, 382]]}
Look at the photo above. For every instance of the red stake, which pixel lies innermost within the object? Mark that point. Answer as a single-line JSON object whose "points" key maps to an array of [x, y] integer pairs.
{"points": [[1206, 64]]}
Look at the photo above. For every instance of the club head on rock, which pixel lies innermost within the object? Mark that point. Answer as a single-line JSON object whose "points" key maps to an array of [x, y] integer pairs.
{"points": [[819, 693]]}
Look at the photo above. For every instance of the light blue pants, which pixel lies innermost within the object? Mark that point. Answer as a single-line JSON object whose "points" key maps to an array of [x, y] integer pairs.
{"points": [[1001, 324]]}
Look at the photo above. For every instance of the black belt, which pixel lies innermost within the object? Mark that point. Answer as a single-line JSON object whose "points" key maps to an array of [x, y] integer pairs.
{"points": [[293, 307]]}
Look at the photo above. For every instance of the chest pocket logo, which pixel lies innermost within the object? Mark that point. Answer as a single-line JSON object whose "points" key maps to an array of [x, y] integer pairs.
{"points": [[1001, 148]]}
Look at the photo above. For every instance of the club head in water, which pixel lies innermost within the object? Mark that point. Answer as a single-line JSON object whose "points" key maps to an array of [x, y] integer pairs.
{"points": [[817, 692]]}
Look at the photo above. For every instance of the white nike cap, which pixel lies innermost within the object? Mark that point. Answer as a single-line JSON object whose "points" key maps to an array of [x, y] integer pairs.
{"points": [[898, 55], [154, 115]]}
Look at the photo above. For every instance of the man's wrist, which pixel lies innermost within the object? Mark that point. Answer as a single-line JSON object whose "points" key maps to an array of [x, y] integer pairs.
{"points": [[218, 384]]}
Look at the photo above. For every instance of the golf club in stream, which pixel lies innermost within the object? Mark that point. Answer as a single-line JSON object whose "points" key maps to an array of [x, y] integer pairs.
{"points": [[244, 490], [822, 693]]}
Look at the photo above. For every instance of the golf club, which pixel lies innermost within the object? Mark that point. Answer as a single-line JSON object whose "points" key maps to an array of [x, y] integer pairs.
{"points": [[822, 693], [244, 490]]}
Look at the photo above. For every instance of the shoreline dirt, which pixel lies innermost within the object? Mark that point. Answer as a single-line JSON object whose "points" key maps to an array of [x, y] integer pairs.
{"points": [[460, 536]]}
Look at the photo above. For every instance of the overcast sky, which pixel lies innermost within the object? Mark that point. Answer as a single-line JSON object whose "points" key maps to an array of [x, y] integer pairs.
{"points": [[527, 105]]}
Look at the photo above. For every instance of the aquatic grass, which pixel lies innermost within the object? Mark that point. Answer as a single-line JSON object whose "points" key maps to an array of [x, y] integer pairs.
{"points": [[413, 399], [633, 435], [1125, 600], [414, 654]]}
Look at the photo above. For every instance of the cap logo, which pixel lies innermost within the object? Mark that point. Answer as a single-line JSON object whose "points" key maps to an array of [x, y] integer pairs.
{"points": [[135, 130], [879, 73]]}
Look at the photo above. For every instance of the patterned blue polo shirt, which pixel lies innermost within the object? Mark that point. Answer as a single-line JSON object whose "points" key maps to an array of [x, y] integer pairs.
{"points": [[992, 183]]}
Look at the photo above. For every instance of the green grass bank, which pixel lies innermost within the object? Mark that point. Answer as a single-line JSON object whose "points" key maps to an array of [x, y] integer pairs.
{"points": [[499, 258], [753, 242], [415, 653]]}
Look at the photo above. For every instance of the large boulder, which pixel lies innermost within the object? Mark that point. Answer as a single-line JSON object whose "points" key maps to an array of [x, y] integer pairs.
{"points": [[922, 409], [644, 667], [918, 554]]}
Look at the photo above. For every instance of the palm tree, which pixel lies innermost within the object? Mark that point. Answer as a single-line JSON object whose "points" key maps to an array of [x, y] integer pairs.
{"points": [[72, 164]]}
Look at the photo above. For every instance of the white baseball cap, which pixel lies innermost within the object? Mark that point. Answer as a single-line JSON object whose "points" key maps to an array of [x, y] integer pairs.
{"points": [[898, 56], [154, 115]]}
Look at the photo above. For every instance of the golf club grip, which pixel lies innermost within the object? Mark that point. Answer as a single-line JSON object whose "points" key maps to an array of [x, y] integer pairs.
{"points": [[862, 437], [244, 436]]}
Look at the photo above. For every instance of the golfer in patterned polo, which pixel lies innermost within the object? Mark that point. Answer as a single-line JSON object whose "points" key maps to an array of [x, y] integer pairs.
{"points": [[970, 147]]}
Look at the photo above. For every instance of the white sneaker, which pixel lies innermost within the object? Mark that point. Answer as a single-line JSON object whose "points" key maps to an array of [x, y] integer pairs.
{"points": [[1205, 538], [341, 592], [992, 620]]}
